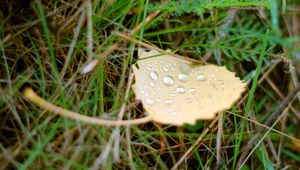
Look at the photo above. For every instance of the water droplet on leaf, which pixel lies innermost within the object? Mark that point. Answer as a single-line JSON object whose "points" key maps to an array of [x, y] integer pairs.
{"points": [[201, 77], [173, 94], [182, 77], [153, 75], [192, 90], [168, 80], [168, 101], [165, 68], [149, 102], [180, 89]]}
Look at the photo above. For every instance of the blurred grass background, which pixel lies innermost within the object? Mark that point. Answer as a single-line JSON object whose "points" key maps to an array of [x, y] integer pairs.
{"points": [[46, 44]]}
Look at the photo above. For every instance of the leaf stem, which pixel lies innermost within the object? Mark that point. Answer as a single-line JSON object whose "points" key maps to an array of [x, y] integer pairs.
{"points": [[42, 103]]}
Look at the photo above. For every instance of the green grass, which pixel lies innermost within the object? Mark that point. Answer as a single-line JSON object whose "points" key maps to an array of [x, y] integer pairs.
{"points": [[48, 40], [251, 96], [35, 41]]}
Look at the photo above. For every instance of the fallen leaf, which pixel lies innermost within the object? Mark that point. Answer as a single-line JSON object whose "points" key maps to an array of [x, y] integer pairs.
{"points": [[175, 91]]}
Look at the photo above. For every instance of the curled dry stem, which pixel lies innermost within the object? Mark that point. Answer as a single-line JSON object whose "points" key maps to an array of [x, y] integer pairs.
{"points": [[42, 103]]}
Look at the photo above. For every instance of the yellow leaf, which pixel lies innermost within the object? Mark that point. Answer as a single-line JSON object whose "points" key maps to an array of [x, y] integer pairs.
{"points": [[175, 91]]}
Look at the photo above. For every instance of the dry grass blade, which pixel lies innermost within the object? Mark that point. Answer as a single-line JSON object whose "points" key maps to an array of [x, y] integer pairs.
{"points": [[286, 101], [197, 142]]}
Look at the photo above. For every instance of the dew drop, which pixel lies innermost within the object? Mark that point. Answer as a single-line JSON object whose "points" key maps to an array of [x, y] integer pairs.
{"points": [[149, 67], [189, 100], [180, 89], [168, 101], [153, 75], [213, 76], [149, 102], [192, 90], [173, 94], [172, 112], [201, 77], [152, 84], [168, 80], [165, 68], [185, 68], [182, 77]]}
